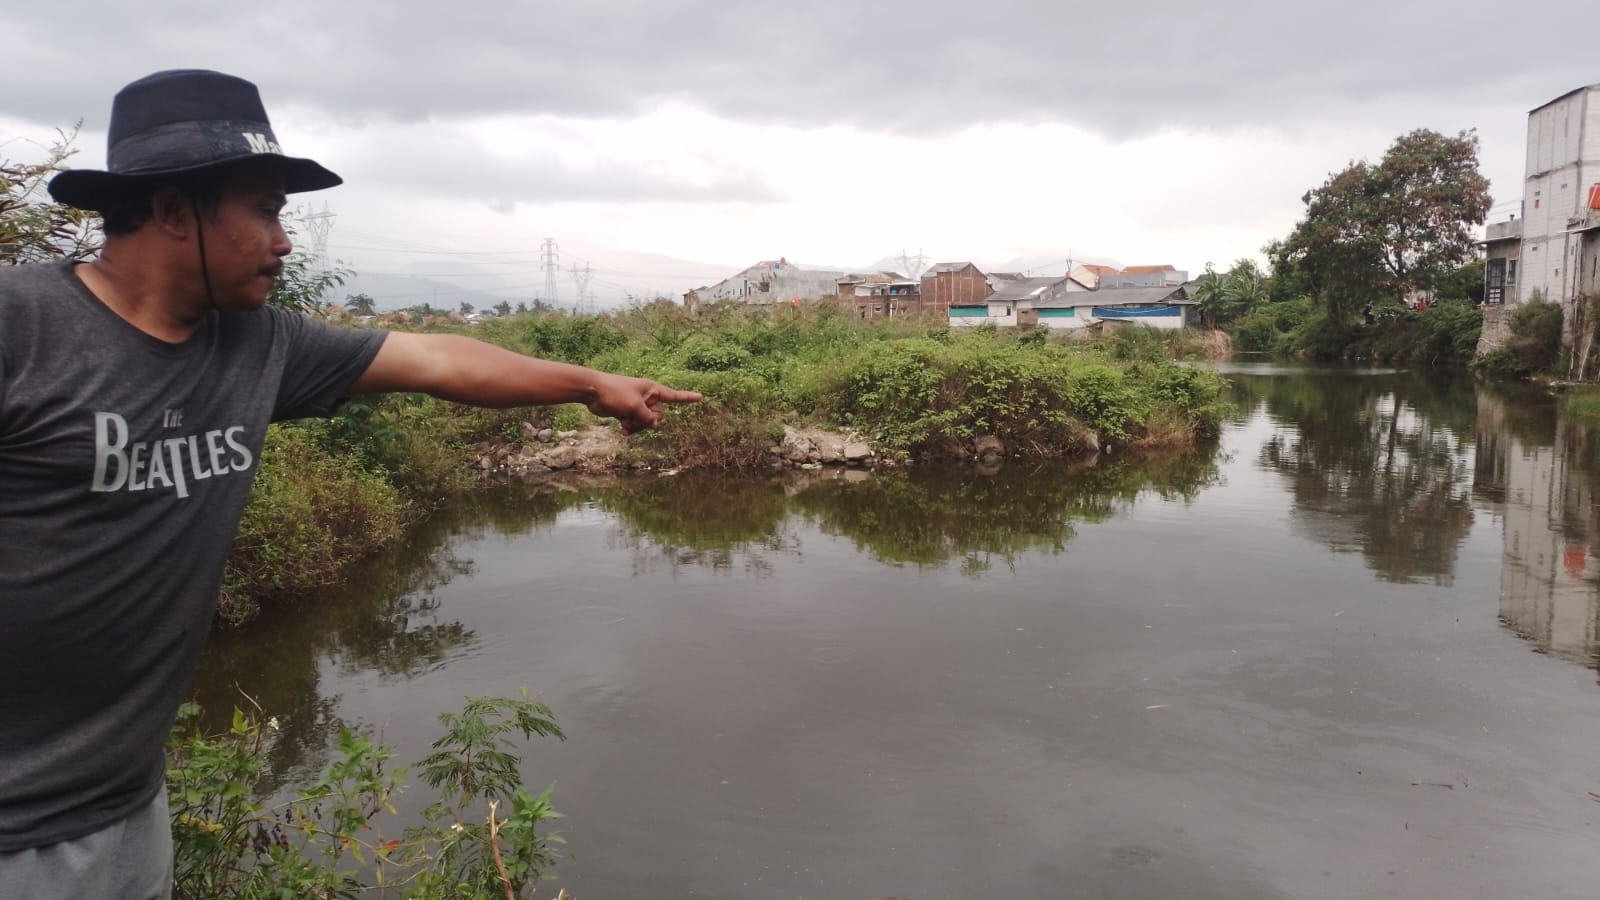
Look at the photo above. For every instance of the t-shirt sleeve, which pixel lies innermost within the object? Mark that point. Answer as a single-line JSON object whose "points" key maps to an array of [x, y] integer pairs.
{"points": [[321, 363]]}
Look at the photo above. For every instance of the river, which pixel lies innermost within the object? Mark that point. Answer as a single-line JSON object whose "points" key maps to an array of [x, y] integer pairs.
{"points": [[1348, 651]]}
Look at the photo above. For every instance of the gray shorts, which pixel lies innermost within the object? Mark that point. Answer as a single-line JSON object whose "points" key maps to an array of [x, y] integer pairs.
{"points": [[127, 860]]}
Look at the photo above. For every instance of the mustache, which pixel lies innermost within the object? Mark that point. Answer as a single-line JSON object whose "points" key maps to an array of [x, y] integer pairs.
{"points": [[272, 271]]}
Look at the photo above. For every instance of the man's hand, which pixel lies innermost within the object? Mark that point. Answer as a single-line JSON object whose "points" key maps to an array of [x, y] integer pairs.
{"points": [[635, 402], [467, 371]]}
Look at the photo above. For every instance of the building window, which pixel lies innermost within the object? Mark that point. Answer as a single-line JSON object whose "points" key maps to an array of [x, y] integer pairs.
{"points": [[1511, 271], [1536, 203]]}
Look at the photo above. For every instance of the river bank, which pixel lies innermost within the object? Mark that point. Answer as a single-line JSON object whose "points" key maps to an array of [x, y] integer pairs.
{"points": [[791, 388]]}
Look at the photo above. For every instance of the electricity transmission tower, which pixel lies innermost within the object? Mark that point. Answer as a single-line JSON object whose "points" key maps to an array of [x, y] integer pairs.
{"points": [[581, 278], [318, 224], [550, 260], [914, 265]]}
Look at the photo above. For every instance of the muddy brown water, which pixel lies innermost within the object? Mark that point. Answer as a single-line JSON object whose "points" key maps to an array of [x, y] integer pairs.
{"points": [[1347, 652]]}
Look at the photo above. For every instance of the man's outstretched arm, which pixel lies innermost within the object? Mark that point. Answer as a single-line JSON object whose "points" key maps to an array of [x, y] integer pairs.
{"points": [[461, 369]]}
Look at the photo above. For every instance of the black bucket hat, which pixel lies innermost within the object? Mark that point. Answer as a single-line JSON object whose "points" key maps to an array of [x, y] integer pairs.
{"points": [[181, 121]]}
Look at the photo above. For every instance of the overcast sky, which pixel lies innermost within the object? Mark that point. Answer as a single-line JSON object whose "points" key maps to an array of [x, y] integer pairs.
{"points": [[829, 133]]}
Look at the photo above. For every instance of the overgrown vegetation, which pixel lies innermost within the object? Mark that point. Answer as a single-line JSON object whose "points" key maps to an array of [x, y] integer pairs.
{"points": [[1534, 346], [330, 491], [485, 836]]}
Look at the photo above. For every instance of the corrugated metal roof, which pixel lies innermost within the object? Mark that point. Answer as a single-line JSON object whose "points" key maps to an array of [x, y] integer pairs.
{"points": [[1150, 296], [948, 267], [1146, 270], [1023, 288]]}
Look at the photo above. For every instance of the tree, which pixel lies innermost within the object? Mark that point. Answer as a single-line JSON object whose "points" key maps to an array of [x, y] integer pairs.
{"points": [[301, 286], [1463, 283], [502, 308], [466, 308], [1246, 288], [32, 227], [522, 308], [1209, 291], [1224, 297], [1391, 229], [361, 304]]}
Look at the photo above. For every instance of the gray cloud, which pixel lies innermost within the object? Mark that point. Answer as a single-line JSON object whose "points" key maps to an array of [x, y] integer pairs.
{"points": [[434, 161], [1123, 68]]}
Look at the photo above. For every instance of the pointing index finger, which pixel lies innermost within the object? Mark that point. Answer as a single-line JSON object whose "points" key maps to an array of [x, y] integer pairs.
{"points": [[672, 395]]}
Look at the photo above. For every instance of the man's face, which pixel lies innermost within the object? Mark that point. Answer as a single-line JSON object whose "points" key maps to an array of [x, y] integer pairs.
{"points": [[246, 243]]}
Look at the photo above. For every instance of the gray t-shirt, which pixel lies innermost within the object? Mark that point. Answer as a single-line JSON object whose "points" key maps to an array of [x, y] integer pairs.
{"points": [[125, 462]]}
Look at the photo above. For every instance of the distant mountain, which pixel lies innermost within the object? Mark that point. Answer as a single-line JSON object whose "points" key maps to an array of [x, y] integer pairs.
{"points": [[615, 278], [1030, 265], [390, 291]]}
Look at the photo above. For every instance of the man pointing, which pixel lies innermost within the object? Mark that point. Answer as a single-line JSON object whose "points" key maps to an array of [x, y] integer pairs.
{"points": [[135, 393]]}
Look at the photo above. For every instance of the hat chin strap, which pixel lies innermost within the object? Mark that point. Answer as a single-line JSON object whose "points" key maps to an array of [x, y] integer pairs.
{"points": [[200, 234]]}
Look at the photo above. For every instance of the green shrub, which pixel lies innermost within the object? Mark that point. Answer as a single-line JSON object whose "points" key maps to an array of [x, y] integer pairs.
{"points": [[483, 838], [1534, 345], [1320, 337], [1256, 333], [1271, 327], [310, 515], [703, 355], [731, 428]]}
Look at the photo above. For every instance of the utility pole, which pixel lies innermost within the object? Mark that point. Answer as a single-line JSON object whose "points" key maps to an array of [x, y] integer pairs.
{"points": [[551, 261]]}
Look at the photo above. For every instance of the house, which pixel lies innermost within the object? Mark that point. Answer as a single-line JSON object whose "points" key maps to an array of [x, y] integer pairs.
{"points": [[1560, 248], [1502, 247], [952, 284], [1144, 276], [880, 295], [1015, 302], [769, 282], [1089, 275], [1053, 303], [1167, 306]]}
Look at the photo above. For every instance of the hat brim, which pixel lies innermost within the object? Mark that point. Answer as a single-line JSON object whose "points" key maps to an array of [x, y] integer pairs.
{"points": [[96, 190]]}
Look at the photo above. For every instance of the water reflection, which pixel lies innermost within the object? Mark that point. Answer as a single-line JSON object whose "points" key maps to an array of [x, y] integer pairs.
{"points": [[1396, 467], [1540, 471], [928, 517], [1377, 465], [706, 520], [389, 624], [386, 622]]}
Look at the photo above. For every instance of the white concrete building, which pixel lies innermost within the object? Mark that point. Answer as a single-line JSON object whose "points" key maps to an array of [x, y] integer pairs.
{"points": [[1560, 255], [770, 282]]}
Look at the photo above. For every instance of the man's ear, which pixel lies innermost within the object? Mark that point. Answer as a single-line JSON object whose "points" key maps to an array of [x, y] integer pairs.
{"points": [[171, 211]]}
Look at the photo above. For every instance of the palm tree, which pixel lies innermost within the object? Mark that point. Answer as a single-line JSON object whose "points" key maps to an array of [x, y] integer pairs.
{"points": [[1245, 289], [1210, 295]]}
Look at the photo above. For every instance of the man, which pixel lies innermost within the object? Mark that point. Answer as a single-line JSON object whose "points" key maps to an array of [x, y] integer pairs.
{"points": [[135, 392]]}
